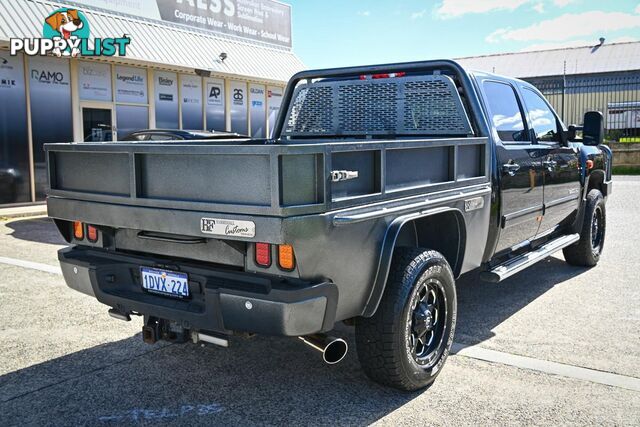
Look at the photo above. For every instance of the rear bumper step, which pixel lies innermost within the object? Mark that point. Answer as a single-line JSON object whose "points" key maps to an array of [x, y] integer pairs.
{"points": [[221, 300], [519, 263]]}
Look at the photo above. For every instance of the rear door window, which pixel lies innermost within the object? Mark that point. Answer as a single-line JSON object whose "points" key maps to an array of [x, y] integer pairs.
{"points": [[505, 112]]}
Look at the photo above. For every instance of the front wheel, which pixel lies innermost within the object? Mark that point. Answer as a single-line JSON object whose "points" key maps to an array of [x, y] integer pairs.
{"points": [[586, 252], [406, 342]]}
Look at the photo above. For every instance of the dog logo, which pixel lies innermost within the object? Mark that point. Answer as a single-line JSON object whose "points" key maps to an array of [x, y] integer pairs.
{"points": [[66, 24], [65, 32]]}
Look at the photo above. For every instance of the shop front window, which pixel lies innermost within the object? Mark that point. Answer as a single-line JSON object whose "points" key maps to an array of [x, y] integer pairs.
{"points": [[214, 92], [14, 140], [132, 109], [258, 111], [131, 118], [166, 100], [51, 114], [238, 99], [191, 99], [274, 100]]}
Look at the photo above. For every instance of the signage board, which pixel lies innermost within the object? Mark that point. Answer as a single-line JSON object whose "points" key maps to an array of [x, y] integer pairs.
{"points": [[238, 100], [94, 81], [191, 99], [166, 99], [267, 21], [258, 110], [214, 92], [131, 85]]}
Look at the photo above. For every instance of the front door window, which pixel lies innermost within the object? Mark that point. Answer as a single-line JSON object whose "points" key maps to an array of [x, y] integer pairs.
{"points": [[97, 125], [543, 121]]}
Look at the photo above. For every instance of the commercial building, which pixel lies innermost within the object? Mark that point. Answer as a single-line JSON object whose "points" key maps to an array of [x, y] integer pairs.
{"points": [[190, 64], [603, 77]]}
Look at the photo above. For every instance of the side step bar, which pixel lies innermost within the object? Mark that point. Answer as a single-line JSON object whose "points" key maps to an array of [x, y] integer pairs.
{"points": [[519, 263]]}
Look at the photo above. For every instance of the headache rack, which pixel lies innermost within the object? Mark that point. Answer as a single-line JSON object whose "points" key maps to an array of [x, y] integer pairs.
{"points": [[409, 105]]}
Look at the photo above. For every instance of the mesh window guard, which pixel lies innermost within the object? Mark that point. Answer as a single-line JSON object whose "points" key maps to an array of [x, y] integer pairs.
{"points": [[413, 105]]}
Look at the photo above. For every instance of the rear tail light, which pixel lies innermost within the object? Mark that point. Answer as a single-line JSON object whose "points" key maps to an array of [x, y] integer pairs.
{"points": [[78, 230], [263, 254], [286, 259], [92, 233]]}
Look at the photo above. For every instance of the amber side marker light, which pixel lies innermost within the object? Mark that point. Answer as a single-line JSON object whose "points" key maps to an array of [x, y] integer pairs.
{"points": [[92, 233], [78, 230], [286, 259]]}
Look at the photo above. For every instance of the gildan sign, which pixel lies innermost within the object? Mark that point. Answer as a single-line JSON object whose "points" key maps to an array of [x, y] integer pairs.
{"points": [[263, 20]]}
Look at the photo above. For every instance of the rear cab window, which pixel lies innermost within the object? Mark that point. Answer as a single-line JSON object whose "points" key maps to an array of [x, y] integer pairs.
{"points": [[429, 103]]}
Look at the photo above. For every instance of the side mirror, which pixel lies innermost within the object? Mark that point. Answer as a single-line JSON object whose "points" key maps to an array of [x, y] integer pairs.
{"points": [[593, 129]]}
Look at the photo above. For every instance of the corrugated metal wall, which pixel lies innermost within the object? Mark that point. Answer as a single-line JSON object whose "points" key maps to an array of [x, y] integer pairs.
{"points": [[160, 43], [617, 96]]}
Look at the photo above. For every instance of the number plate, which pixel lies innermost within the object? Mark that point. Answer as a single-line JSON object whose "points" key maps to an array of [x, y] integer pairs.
{"points": [[165, 282]]}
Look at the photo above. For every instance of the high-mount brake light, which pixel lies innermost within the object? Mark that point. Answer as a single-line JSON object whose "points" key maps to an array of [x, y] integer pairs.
{"points": [[92, 233], [383, 76], [286, 259], [78, 230], [263, 254]]}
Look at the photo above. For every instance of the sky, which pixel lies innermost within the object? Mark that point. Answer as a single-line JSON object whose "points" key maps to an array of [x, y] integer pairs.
{"points": [[336, 33]]}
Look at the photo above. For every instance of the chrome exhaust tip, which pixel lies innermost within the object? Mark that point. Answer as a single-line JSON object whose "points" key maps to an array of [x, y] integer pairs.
{"points": [[333, 349], [197, 337]]}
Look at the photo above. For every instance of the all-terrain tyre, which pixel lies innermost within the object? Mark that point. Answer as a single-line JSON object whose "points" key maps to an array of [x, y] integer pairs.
{"points": [[586, 252], [406, 342]]}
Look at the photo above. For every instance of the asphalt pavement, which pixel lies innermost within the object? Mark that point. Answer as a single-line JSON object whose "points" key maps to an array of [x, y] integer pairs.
{"points": [[64, 361]]}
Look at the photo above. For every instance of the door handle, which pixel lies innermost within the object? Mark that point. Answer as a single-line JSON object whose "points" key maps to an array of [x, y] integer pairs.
{"points": [[511, 168], [550, 165]]}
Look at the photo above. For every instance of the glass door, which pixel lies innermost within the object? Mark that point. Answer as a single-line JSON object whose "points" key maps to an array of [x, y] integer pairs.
{"points": [[97, 123]]}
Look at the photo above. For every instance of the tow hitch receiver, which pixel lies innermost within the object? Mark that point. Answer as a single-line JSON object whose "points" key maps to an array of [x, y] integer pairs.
{"points": [[156, 329]]}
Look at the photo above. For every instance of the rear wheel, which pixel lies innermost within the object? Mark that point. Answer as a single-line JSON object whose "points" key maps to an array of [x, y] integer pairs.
{"points": [[586, 252], [406, 342]]}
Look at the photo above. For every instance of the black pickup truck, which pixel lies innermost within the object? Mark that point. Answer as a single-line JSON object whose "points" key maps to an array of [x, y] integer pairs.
{"points": [[381, 185]]}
